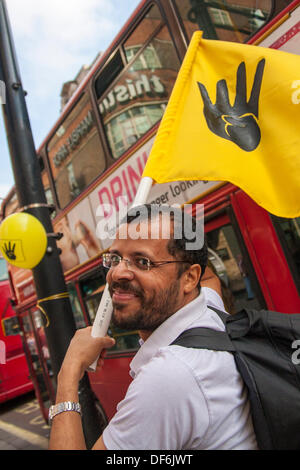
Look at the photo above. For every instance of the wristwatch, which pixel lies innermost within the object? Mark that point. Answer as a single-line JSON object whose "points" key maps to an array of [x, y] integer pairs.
{"points": [[64, 406]]}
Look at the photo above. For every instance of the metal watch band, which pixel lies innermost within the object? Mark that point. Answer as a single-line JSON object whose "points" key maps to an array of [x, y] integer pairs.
{"points": [[64, 406]]}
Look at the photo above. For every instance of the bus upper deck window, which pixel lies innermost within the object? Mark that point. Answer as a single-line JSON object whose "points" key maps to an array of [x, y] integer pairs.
{"points": [[11, 205], [75, 152], [108, 74], [224, 19], [142, 32], [137, 99], [48, 191]]}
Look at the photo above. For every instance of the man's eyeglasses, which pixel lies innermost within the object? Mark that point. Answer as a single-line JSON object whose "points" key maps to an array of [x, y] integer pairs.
{"points": [[111, 260]]}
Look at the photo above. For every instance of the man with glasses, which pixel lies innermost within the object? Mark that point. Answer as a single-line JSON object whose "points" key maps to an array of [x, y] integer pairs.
{"points": [[180, 398]]}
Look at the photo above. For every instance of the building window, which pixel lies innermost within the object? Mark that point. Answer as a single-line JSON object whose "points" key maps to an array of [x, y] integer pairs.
{"points": [[220, 17], [148, 59]]}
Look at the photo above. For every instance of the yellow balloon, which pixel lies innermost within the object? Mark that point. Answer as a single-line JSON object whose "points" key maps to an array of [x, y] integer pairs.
{"points": [[23, 240]]}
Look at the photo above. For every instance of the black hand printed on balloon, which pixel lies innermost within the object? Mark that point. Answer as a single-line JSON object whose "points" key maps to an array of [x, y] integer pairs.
{"points": [[10, 250], [238, 123]]}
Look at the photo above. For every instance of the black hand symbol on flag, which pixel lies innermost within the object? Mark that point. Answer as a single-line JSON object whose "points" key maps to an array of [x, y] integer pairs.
{"points": [[238, 123]]}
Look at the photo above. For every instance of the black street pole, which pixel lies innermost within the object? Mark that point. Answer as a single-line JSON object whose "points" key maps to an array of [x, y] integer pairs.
{"points": [[48, 275]]}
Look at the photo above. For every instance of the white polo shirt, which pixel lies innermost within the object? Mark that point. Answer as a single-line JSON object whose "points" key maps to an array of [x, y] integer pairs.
{"points": [[183, 398]]}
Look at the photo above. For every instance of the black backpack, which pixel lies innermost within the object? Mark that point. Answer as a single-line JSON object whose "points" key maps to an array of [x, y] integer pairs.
{"points": [[265, 352]]}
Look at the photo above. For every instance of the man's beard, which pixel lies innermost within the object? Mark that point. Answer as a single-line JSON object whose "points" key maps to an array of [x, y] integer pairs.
{"points": [[152, 312]]}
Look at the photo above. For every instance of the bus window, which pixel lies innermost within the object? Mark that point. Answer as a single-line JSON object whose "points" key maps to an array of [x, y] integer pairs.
{"points": [[92, 289], [233, 268], [49, 196], [11, 205], [3, 270], [37, 359], [141, 35], [289, 234], [10, 326], [75, 304], [48, 191], [137, 99], [39, 328], [125, 340], [75, 153], [224, 19]]}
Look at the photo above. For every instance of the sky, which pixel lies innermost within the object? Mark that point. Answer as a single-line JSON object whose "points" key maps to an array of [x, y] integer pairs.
{"points": [[53, 39]]}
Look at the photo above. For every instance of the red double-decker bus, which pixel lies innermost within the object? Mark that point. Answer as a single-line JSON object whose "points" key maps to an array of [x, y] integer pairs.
{"points": [[95, 155], [15, 377]]}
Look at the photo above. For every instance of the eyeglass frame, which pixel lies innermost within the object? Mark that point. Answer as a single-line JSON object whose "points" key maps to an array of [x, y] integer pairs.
{"points": [[150, 264]]}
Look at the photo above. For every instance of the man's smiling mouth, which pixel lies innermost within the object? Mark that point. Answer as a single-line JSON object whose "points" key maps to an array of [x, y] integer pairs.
{"points": [[123, 293], [119, 295]]}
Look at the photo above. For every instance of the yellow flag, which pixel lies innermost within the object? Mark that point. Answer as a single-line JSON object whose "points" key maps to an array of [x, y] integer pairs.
{"points": [[234, 115]]}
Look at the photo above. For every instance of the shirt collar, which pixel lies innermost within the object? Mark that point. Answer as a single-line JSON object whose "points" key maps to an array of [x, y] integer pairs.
{"points": [[168, 331]]}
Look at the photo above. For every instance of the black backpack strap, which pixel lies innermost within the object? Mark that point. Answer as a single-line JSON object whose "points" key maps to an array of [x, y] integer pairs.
{"points": [[220, 313], [205, 338]]}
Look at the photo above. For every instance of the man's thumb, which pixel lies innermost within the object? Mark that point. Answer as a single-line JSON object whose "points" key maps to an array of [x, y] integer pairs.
{"points": [[108, 342]]}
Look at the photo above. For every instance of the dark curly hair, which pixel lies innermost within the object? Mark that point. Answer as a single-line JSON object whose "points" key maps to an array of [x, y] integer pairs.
{"points": [[179, 246]]}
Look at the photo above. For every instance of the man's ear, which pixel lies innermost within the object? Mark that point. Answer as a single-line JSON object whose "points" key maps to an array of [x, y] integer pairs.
{"points": [[191, 278]]}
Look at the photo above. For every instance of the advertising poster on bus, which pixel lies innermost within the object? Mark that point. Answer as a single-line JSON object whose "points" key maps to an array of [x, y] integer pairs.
{"points": [[287, 36], [90, 226]]}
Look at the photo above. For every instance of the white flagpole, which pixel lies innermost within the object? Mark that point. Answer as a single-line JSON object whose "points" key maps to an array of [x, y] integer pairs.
{"points": [[104, 312]]}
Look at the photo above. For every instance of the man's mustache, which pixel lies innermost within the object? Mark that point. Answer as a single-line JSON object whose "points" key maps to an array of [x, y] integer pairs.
{"points": [[125, 286]]}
